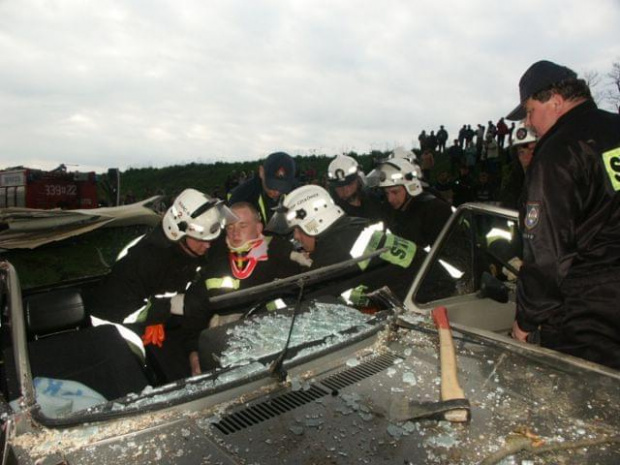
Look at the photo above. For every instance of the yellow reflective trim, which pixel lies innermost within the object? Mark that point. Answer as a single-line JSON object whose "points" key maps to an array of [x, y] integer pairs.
{"points": [[263, 210], [222, 283]]}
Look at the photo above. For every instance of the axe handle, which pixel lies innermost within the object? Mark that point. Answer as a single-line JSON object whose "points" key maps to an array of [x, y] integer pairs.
{"points": [[450, 388]]}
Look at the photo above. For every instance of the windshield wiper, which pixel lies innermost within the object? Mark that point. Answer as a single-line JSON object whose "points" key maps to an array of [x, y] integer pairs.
{"points": [[300, 280], [277, 366]]}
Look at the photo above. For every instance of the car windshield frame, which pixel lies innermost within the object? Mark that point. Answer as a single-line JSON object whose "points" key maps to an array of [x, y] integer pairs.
{"points": [[208, 387], [412, 301]]}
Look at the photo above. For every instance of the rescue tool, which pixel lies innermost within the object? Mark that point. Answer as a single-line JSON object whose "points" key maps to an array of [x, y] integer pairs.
{"points": [[453, 406]]}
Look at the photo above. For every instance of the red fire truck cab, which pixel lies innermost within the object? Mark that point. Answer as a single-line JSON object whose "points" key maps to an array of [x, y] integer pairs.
{"points": [[33, 188]]}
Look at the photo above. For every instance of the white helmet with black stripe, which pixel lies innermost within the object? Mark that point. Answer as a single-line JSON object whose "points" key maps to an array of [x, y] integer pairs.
{"points": [[397, 172], [342, 170], [309, 207], [196, 215]]}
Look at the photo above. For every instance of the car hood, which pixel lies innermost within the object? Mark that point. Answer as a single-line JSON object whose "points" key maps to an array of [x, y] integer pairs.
{"points": [[352, 412]]}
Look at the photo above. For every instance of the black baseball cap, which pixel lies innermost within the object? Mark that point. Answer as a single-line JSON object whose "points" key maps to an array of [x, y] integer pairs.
{"points": [[541, 75], [280, 172]]}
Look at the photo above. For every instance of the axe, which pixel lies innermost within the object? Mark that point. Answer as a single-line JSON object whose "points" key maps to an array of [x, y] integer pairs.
{"points": [[453, 406]]}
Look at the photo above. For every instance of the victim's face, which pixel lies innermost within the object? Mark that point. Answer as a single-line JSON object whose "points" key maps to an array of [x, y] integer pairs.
{"points": [[247, 228]]}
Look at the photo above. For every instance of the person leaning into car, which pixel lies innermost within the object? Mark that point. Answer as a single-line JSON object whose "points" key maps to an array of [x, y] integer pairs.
{"points": [[247, 259], [569, 285], [154, 273], [328, 236]]}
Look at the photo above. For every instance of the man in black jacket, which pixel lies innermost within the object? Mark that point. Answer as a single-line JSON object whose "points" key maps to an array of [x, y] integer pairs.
{"points": [[349, 192], [569, 284], [276, 177], [155, 272], [146, 288], [329, 236], [416, 215]]}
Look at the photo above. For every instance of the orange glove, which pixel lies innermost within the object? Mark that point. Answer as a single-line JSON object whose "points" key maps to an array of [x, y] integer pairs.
{"points": [[154, 334]]}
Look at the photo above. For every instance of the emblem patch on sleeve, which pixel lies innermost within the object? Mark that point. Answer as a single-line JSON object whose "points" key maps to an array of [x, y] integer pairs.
{"points": [[532, 214]]}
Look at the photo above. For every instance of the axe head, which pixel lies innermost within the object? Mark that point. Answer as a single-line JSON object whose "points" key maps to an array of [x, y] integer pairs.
{"points": [[454, 410]]}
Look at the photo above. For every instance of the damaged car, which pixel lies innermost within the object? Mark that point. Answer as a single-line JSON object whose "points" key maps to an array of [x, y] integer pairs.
{"points": [[435, 379]]}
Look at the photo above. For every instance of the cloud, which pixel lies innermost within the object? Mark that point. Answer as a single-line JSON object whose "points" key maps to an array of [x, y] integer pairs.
{"points": [[153, 83]]}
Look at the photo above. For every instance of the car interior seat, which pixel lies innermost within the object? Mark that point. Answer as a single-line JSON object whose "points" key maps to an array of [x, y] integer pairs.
{"points": [[63, 345]]}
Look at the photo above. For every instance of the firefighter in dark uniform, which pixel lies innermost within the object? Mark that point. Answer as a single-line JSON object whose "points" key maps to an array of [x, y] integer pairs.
{"points": [[155, 272], [276, 177], [416, 215], [569, 285], [145, 288], [246, 259], [346, 186], [329, 236]]}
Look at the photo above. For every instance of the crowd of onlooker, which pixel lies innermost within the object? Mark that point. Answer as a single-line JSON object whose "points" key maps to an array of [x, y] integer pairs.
{"points": [[475, 166]]}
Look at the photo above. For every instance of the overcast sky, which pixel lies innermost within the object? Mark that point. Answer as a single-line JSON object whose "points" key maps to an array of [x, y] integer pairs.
{"points": [[98, 84]]}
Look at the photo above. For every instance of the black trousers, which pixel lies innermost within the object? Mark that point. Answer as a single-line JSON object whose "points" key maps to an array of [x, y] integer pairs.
{"points": [[588, 325]]}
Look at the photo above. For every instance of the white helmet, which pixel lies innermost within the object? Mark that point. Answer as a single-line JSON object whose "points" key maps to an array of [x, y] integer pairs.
{"points": [[397, 172], [309, 207], [523, 135], [402, 152], [342, 170], [196, 215]]}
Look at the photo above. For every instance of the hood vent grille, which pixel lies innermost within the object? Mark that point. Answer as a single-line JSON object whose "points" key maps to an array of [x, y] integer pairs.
{"points": [[257, 413], [356, 374]]}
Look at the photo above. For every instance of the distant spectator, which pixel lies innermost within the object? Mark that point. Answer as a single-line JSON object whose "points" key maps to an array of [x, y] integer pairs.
{"points": [[470, 156], [443, 185], [427, 163], [502, 132], [461, 137], [431, 142], [480, 139], [485, 189], [491, 156], [455, 152], [469, 135], [491, 131], [422, 140], [463, 187], [510, 132], [442, 138]]}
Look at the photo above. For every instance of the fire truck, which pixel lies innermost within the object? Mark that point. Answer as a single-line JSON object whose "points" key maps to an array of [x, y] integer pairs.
{"points": [[58, 188]]}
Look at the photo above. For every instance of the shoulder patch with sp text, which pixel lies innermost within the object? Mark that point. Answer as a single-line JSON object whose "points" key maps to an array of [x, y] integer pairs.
{"points": [[611, 160]]}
